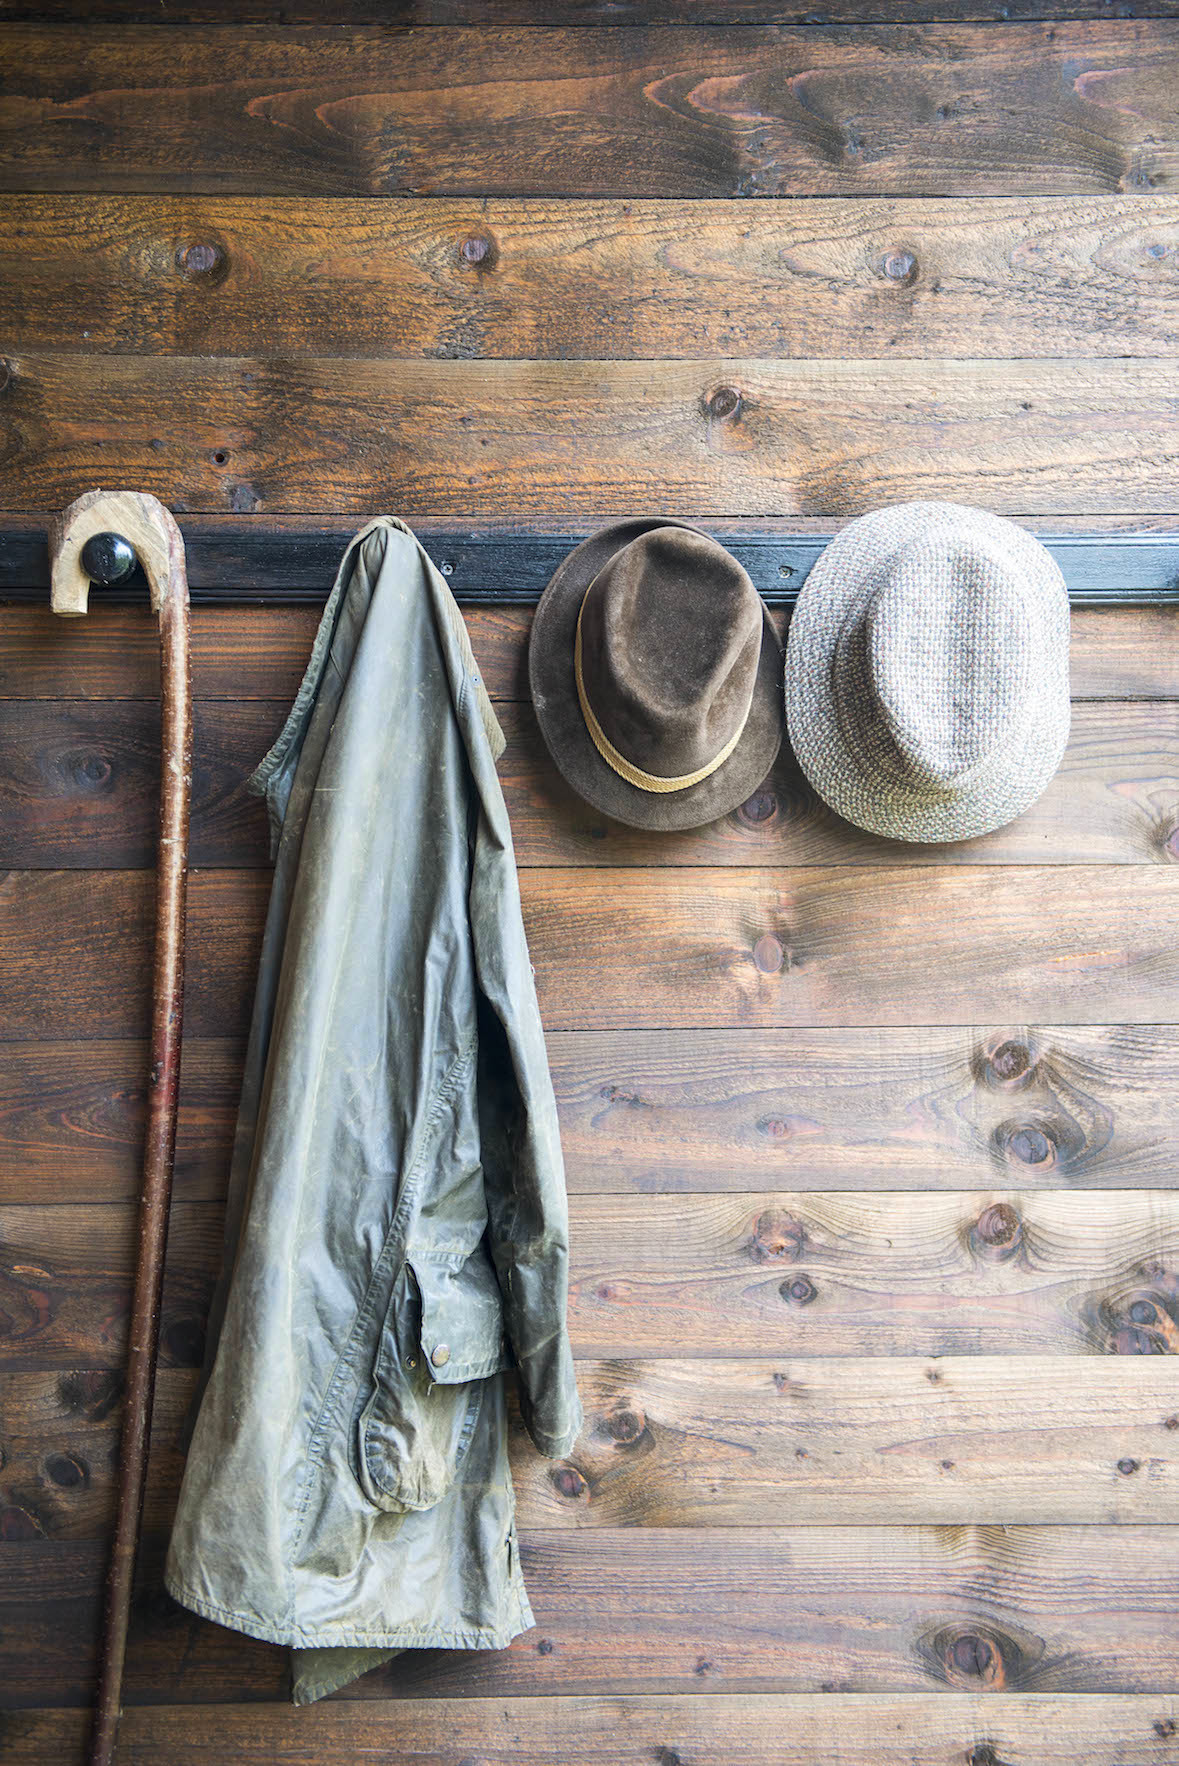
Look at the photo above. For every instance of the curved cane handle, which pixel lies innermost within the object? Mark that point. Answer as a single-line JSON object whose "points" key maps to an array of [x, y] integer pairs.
{"points": [[141, 520]]}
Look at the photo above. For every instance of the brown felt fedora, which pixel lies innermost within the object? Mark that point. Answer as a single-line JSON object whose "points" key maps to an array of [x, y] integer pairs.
{"points": [[656, 675]]}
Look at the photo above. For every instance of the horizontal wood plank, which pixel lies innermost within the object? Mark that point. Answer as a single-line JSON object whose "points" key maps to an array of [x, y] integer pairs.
{"points": [[250, 653], [72, 1119], [721, 1443], [775, 1729], [706, 1610], [703, 948], [1020, 1105], [1023, 1106], [555, 13], [746, 111], [542, 278], [828, 1273], [82, 785], [560, 440]]}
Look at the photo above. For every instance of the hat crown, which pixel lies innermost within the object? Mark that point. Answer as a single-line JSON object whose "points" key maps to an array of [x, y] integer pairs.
{"points": [[671, 630], [949, 654]]}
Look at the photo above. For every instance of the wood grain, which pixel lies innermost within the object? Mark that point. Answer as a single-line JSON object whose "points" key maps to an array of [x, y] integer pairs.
{"points": [[747, 111], [774, 1729], [1024, 1106], [542, 278], [715, 1444], [565, 440], [555, 13], [704, 1610], [248, 653], [81, 787], [1115, 800], [704, 948], [752, 1274], [72, 1118]]}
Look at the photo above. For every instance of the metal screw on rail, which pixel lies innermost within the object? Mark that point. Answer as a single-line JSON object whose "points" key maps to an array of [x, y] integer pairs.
{"points": [[100, 538]]}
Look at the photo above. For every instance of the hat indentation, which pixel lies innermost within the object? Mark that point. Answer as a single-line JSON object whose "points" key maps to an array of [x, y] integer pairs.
{"points": [[670, 642], [948, 657]]}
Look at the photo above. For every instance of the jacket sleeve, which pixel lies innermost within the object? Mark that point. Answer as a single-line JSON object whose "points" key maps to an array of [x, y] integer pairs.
{"points": [[523, 1172]]}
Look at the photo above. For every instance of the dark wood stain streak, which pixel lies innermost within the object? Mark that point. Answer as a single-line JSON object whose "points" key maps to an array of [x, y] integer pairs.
{"points": [[568, 279], [743, 112]]}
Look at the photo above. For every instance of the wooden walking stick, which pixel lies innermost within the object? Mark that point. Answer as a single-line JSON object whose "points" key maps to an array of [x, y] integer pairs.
{"points": [[99, 538]]}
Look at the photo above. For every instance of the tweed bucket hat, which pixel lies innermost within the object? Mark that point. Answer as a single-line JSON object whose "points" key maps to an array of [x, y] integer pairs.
{"points": [[927, 693], [656, 675]]}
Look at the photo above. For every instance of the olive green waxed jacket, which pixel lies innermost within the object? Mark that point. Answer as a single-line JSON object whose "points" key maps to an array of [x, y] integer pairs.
{"points": [[397, 1225]]}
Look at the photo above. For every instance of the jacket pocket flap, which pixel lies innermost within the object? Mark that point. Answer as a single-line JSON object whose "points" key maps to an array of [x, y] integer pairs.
{"points": [[462, 1323]]}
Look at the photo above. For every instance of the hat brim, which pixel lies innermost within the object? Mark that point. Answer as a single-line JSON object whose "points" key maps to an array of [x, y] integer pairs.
{"points": [[558, 710], [835, 591]]}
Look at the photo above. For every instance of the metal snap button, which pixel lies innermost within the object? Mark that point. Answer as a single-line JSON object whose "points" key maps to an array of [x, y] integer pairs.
{"points": [[411, 1361], [441, 1355]]}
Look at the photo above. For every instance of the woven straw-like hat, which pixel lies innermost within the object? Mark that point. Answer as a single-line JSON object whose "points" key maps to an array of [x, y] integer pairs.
{"points": [[656, 675], [927, 693]]}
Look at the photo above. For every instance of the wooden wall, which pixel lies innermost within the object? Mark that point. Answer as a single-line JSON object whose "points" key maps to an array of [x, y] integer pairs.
{"points": [[871, 1148]]}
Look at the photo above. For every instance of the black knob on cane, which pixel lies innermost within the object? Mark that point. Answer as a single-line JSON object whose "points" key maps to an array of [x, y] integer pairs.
{"points": [[108, 558]]}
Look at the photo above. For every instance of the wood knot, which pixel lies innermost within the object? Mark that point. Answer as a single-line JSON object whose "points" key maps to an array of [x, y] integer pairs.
{"points": [[19, 1523], [1127, 1467], [1031, 1145], [777, 1238], [1005, 1064], [5, 372], [569, 1483], [724, 404], [92, 1394], [971, 1658], [625, 1425], [799, 1291], [759, 809], [1144, 1322], [545, 1646], [478, 250], [768, 954], [67, 1471], [997, 1234], [203, 260], [183, 1342], [901, 266]]}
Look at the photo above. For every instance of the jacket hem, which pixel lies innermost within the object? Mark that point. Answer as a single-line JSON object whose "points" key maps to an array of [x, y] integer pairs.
{"points": [[343, 1637]]}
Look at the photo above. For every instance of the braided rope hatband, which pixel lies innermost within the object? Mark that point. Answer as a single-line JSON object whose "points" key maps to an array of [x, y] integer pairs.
{"points": [[618, 762]]}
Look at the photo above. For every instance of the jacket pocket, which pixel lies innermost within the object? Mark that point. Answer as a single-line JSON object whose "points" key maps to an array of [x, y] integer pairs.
{"points": [[443, 1335]]}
